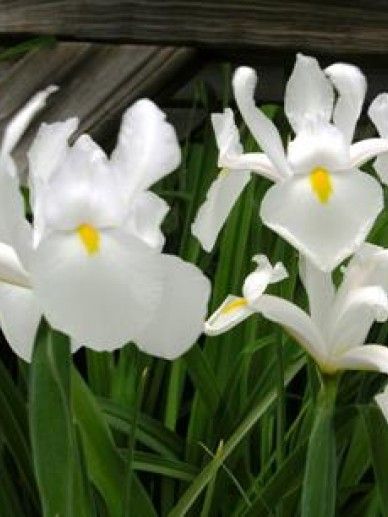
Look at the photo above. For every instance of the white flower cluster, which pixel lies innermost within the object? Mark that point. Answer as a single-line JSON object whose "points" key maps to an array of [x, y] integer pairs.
{"points": [[321, 203], [92, 264]]}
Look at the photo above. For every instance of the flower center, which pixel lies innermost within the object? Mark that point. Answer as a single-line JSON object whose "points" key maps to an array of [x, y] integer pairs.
{"points": [[321, 184], [90, 238], [232, 306]]}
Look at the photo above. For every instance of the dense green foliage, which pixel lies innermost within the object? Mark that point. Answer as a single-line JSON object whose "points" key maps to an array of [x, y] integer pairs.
{"points": [[223, 430]]}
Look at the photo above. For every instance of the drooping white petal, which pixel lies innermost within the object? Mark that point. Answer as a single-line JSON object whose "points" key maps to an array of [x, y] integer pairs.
{"points": [[382, 401], [147, 212], [19, 318], [258, 163], [147, 147], [102, 299], [11, 270], [220, 199], [369, 357], [22, 119], [364, 150], [261, 127], [180, 316], [350, 84], [309, 94], [378, 113], [318, 145], [326, 232], [15, 230], [352, 317], [320, 291], [230, 313], [256, 282], [295, 321]]}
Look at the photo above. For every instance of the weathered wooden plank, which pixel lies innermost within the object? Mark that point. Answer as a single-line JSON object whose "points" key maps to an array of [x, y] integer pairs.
{"points": [[97, 82], [334, 26]]}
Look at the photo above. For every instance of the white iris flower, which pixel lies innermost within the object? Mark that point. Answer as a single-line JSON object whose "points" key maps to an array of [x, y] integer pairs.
{"points": [[321, 203], [91, 262], [335, 330]]}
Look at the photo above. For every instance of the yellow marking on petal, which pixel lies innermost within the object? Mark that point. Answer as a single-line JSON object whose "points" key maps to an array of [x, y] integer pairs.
{"points": [[321, 184], [235, 305], [223, 173], [90, 238]]}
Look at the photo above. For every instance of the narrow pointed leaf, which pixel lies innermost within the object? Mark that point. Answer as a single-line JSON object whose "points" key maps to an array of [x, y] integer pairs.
{"points": [[50, 422]]}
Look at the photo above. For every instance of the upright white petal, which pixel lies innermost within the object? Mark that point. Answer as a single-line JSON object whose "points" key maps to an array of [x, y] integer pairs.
{"points": [[319, 144], [179, 318], [84, 189], [368, 266], [378, 113], [49, 149], [309, 94], [14, 228], [353, 316], [327, 232], [256, 282], [369, 357], [295, 321], [22, 119], [231, 151], [19, 318], [226, 133], [146, 214], [261, 127], [147, 148], [350, 84], [220, 199], [230, 313], [102, 299], [47, 152]]}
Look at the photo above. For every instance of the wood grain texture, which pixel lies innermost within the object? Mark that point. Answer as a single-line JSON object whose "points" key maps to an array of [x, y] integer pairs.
{"points": [[333, 26], [97, 82]]}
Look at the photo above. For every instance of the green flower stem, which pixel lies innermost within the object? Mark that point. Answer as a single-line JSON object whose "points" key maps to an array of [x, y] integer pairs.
{"points": [[139, 390], [280, 410], [319, 485]]}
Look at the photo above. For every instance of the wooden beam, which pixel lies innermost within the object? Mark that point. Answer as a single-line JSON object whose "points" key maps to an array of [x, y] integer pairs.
{"points": [[331, 27], [97, 82]]}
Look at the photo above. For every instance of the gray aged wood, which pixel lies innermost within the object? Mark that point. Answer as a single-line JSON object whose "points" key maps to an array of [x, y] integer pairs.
{"points": [[333, 26], [97, 82]]}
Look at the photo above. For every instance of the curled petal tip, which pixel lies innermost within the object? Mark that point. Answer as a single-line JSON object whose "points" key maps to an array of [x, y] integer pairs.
{"points": [[52, 89], [245, 76], [302, 57]]}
